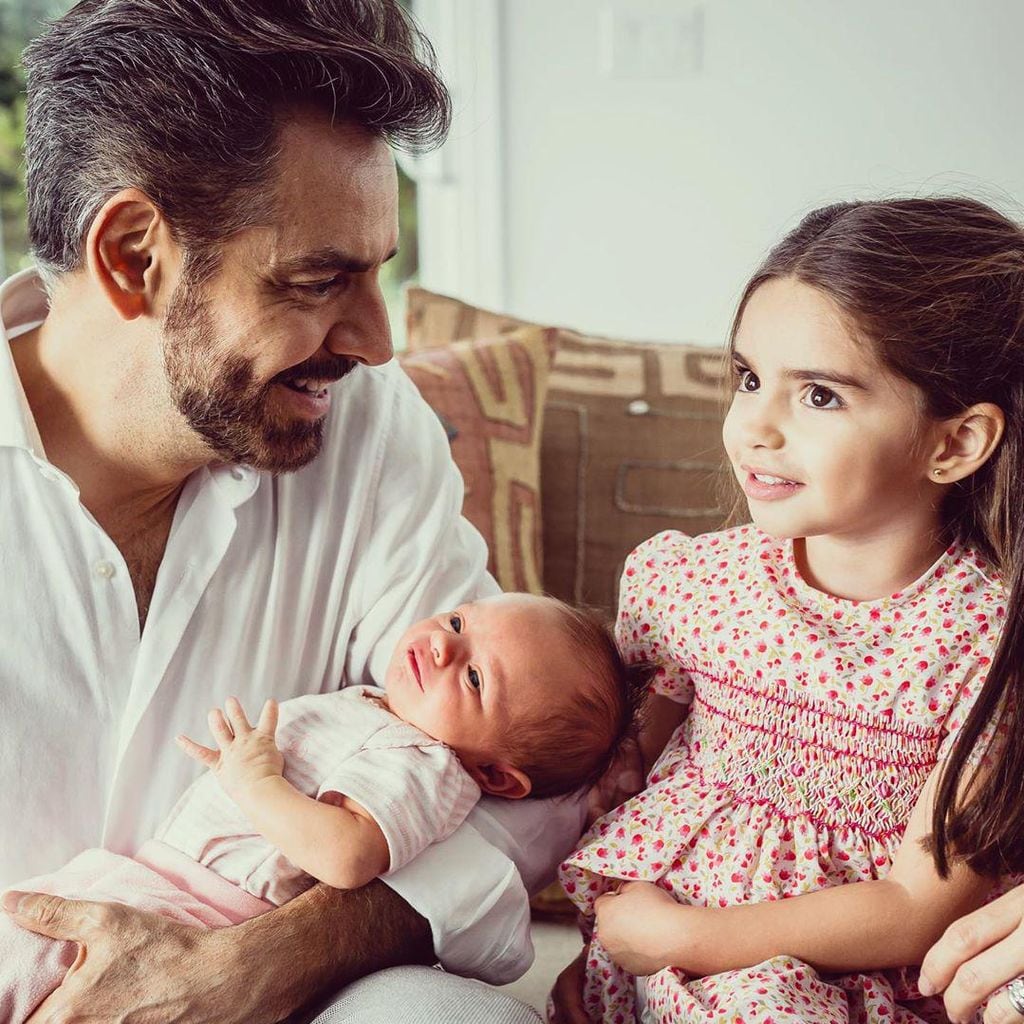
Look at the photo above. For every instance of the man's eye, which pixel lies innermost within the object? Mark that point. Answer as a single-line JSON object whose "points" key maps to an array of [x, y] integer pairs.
{"points": [[746, 380], [474, 679], [819, 397], [456, 623], [321, 289]]}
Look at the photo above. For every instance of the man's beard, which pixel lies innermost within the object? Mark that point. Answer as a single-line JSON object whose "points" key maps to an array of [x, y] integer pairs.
{"points": [[223, 402]]}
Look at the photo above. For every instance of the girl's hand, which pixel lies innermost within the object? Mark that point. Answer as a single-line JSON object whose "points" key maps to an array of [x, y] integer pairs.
{"points": [[246, 755], [565, 1004], [644, 929], [977, 955]]}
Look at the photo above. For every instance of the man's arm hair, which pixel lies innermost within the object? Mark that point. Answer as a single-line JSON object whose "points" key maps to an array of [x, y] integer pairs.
{"points": [[325, 938], [257, 972]]}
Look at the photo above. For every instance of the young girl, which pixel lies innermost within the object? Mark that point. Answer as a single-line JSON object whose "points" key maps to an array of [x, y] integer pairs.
{"points": [[823, 659]]}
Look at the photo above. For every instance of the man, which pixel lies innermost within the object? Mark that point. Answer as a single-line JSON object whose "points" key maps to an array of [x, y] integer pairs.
{"points": [[214, 482]]}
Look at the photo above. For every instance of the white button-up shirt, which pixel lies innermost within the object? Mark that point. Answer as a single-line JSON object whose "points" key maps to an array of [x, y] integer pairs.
{"points": [[269, 586]]}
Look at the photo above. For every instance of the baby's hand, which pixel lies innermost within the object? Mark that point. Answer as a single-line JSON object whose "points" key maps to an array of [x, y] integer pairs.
{"points": [[644, 929], [247, 755]]}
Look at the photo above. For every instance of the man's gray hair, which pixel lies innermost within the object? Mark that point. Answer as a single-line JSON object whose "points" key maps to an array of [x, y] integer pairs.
{"points": [[181, 99]]}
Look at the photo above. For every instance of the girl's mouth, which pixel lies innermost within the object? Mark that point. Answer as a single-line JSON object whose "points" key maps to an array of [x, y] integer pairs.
{"points": [[763, 487]]}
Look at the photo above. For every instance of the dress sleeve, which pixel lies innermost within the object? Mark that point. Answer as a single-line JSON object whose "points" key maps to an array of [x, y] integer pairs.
{"points": [[646, 626], [992, 736], [417, 795]]}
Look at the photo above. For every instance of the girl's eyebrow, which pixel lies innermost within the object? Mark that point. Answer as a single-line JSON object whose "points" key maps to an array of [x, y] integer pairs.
{"points": [[810, 376]]}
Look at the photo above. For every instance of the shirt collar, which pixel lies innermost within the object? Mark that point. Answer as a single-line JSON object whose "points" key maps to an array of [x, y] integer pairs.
{"points": [[23, 305]]}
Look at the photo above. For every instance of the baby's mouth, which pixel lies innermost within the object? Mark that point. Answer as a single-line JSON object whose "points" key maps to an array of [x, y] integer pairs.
{"points": [[414, 667]]}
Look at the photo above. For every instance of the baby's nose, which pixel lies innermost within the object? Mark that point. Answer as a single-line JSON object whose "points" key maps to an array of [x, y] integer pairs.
{"points": [[440, 647]]}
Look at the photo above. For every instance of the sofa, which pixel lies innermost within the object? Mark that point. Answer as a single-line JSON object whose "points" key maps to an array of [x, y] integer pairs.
{"points": [[573, 448]]}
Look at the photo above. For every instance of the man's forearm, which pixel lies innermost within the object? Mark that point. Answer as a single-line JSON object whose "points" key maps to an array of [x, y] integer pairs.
{"points": [[325, 938]]}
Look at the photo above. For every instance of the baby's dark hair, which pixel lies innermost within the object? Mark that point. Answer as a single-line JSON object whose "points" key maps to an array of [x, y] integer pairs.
{"points": [[572, 747]]}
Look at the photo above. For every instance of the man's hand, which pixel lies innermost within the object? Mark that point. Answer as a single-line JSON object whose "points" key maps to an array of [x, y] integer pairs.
{"points": [[644, 929], [136, 968], [246, 755], [565, 1004], [623, 779]]}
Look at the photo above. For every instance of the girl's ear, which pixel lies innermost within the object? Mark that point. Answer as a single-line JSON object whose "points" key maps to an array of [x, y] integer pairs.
{"points": [[501, 780], [967, 442]]}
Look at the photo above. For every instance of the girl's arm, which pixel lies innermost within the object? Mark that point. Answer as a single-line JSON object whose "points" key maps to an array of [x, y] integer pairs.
{"points": [[337, 843], [872, 925]]}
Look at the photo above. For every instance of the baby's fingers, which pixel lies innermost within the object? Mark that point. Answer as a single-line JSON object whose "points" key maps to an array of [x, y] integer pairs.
{"points": [[236, 716], [204, 755], [268, 719], [219, 727]]}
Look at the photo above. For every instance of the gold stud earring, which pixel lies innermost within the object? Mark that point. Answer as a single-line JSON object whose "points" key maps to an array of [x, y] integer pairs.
{"points": [[938, 471]]}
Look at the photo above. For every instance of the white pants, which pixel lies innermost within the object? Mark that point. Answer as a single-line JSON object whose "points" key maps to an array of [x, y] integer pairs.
{"points": [[424, 995]]}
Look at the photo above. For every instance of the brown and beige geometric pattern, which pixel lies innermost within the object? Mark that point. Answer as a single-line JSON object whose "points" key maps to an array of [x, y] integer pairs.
{"points": [[490, 395], [631, 442]]}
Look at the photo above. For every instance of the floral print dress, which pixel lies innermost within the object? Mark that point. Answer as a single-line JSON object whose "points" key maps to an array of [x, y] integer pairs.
{"points": [[813, 725]]}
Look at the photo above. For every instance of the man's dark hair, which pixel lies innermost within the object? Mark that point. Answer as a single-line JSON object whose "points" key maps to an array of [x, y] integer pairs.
{"points": [[574, 745], [182, 100]]}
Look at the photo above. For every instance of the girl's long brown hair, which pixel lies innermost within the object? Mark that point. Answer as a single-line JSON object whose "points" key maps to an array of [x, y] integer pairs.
{"points": [[937, 287]]}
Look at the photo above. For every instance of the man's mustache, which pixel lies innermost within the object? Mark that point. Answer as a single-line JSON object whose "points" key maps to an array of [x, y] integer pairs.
{"points": [[329, 370]]}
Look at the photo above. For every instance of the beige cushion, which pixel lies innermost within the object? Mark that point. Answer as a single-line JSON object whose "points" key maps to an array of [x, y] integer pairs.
{"points": [[489, 394], [631, 442]]}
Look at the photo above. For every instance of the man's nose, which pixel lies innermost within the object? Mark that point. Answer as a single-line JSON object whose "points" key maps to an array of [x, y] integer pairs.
{"points": [[364, 334]]}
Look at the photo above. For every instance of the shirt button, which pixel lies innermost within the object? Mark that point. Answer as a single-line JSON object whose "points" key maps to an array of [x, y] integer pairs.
{"points": [[104, 569]]}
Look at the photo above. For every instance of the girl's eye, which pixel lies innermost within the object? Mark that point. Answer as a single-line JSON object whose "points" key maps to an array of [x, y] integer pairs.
{"points": [[456, 623], [819, 397], [746, 380], [474, 679]]}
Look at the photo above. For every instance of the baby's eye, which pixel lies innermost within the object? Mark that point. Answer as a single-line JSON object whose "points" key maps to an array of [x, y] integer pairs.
{"points": [[819, 397], [455, 621], [474, 679], [746, 380]]}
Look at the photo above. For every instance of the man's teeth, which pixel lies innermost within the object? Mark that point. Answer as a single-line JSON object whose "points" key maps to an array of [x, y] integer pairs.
{"points": [[761, 478], [312, 386]]}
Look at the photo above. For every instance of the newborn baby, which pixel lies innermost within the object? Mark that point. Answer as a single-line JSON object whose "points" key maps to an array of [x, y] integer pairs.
{"points": [[512, 696]]}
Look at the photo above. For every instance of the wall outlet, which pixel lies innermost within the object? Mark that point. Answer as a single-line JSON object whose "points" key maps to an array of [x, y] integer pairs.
{"points": [[642, 39]]}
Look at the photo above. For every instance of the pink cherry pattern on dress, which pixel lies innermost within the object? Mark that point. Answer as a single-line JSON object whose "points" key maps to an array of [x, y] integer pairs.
{"points": [[813, 725]]}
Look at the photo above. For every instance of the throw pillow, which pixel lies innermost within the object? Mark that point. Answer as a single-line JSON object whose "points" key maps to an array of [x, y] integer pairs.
{"points": [[631, 442], [490, 395]]}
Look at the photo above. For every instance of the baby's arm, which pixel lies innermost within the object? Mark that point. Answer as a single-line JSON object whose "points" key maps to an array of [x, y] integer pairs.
{"points": [[872, 925], [337, 843]]}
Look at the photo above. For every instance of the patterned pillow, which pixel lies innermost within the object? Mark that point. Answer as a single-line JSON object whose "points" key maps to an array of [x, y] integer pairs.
{"points": [[631, 442], [490, 397]]}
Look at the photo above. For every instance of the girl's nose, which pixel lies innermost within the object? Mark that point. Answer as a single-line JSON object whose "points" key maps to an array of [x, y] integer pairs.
{"points": [[762, 429]]}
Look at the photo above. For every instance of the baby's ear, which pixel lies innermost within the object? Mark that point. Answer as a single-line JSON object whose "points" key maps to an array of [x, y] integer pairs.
{"points": [[501, 780]]}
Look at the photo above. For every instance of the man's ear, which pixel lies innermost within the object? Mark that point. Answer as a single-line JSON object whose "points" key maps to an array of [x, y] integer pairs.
{"points": [[967, 442], [501, 780], [129, 250]]}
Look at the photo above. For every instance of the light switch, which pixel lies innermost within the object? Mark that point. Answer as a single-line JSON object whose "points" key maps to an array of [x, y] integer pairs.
{"points": [[652, 39]]}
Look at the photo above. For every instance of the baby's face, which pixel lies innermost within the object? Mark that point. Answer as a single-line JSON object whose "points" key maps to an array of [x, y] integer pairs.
{"points": [[469, 677]]}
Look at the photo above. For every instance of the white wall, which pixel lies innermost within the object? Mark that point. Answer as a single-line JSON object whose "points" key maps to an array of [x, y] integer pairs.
{"points": [[637, 207]]}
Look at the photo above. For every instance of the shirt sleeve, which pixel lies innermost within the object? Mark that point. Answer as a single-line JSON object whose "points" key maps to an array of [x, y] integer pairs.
{"points": [[419, 557], [417, 795], [645, 626]]}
